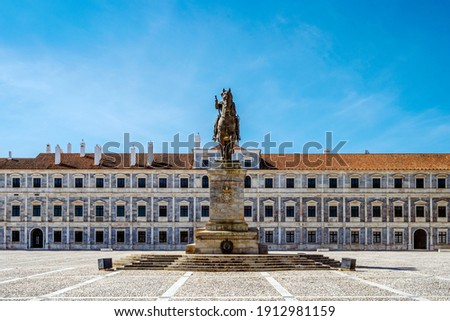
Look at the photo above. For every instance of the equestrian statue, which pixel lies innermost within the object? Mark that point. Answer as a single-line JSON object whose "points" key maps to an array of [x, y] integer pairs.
{"points": [[226, 128]]}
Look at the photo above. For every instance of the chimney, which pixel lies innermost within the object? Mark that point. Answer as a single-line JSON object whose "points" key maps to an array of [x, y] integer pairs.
{"points": [[150, 155], [197, 141], [69, 148], [82, 148], [133, 156], [326, 151], [9, 155], [97, 154], [48, 149], [57, 155]]}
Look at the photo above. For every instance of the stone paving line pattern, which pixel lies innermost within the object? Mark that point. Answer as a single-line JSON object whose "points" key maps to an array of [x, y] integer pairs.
{"points": [[74, 275]]}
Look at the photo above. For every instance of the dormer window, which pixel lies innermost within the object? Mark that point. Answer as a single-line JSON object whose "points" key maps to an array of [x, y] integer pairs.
{"points": [[247, 163], [205, 162]]}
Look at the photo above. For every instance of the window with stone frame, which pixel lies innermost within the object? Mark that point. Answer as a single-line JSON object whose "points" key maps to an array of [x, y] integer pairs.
{"points": [[332, 211], [184, 182], [376, 237], [99, 210], [57, 210], [442, 211], [142, 182], [78, 210], [248, 182], [78, 182], [205, 210], [420, 182], [354, 211], [268, 182], [290, 182], [162, 236], [184, 236], [333, 237], [442, 237], [354, 237], [290, 236], [290, 211], [57, 236], [205, 162], [247, 211], [162, 182], [312, 237], [311, 182], [99, 236], [16, 182], [269, 236], [57, 182], [268, 210], [398, 211], [163, 210], [441, 182], [332, 182], [78, 236], [398, 237], [99, 182], [311, 210], [36, 210], [376, 182], [142, 237], [120, 182], [15, 236], [205, 181], [15, 210], [376, 211], [420, 211], [247, 163], [36, 182], [398, 182], [120, 236], [184, 211], [142, 211], [354, 182]]}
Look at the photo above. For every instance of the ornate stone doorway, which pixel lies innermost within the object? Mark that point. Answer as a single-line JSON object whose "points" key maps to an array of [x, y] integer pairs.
{"points": [[36, 239], [420, 240]]}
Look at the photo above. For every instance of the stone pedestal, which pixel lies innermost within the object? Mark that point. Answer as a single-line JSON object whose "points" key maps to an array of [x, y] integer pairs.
{"points": [[226, 232]]}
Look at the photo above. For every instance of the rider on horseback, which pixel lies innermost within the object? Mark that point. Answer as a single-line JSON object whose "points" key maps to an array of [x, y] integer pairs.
{"points": [[227, 99]]}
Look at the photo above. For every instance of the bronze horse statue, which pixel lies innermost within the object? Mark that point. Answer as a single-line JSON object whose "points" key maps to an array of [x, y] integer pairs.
{"points": [[226, 128]]}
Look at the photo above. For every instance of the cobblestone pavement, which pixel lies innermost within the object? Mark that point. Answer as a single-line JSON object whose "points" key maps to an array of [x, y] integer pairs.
{"points": [[64, 275]]}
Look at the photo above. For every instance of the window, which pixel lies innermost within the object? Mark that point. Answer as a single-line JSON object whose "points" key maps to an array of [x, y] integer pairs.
{"points": [[290, 236], [36, 182], [290, 211], [442, 211], [57, 210], [15, 211], [99, 182], [332, 182], [142, 183], [420, 211], [205, 210], [376, 237], [311, 236], [311, 211], [205, 162], [333, 211], [205, 182], [57, 237], [57, 182], [398, 237], [376, 211], [333, 237], [78, 210], [120, 182], [247, 163], [15, 236], [376, 182], [79, 182], [142, 210], [419, 182], [78, 236], [99, 210], [354, 211], [268, 182], [142, 237], [162, 182], [162, 236], [247, 211], [163, 210], [36, 210], [120, 210], [98, 236], [16, 182], [268, 211], [248, 182], [184, 182], [311, 182], [354, 182], [269, 236], [441, 183], [184, 211], [354, 237], [398, 183], [442, 238], [120, 236], [398, 211], [290, 182], [184, 236]]}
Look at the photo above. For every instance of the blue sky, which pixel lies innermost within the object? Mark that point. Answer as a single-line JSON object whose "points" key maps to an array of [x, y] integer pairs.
{"points": [[376, 74]]}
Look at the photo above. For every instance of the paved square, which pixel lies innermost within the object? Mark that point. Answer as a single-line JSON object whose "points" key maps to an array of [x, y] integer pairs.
{"points": [[73, 275]]}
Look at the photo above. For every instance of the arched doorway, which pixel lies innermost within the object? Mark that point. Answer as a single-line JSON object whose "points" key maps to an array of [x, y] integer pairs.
{"points": [[420, 240], [37, 239]]}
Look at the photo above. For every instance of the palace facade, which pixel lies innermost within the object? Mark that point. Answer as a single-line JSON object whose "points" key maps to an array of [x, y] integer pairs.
{"points": [[149, 201]]}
